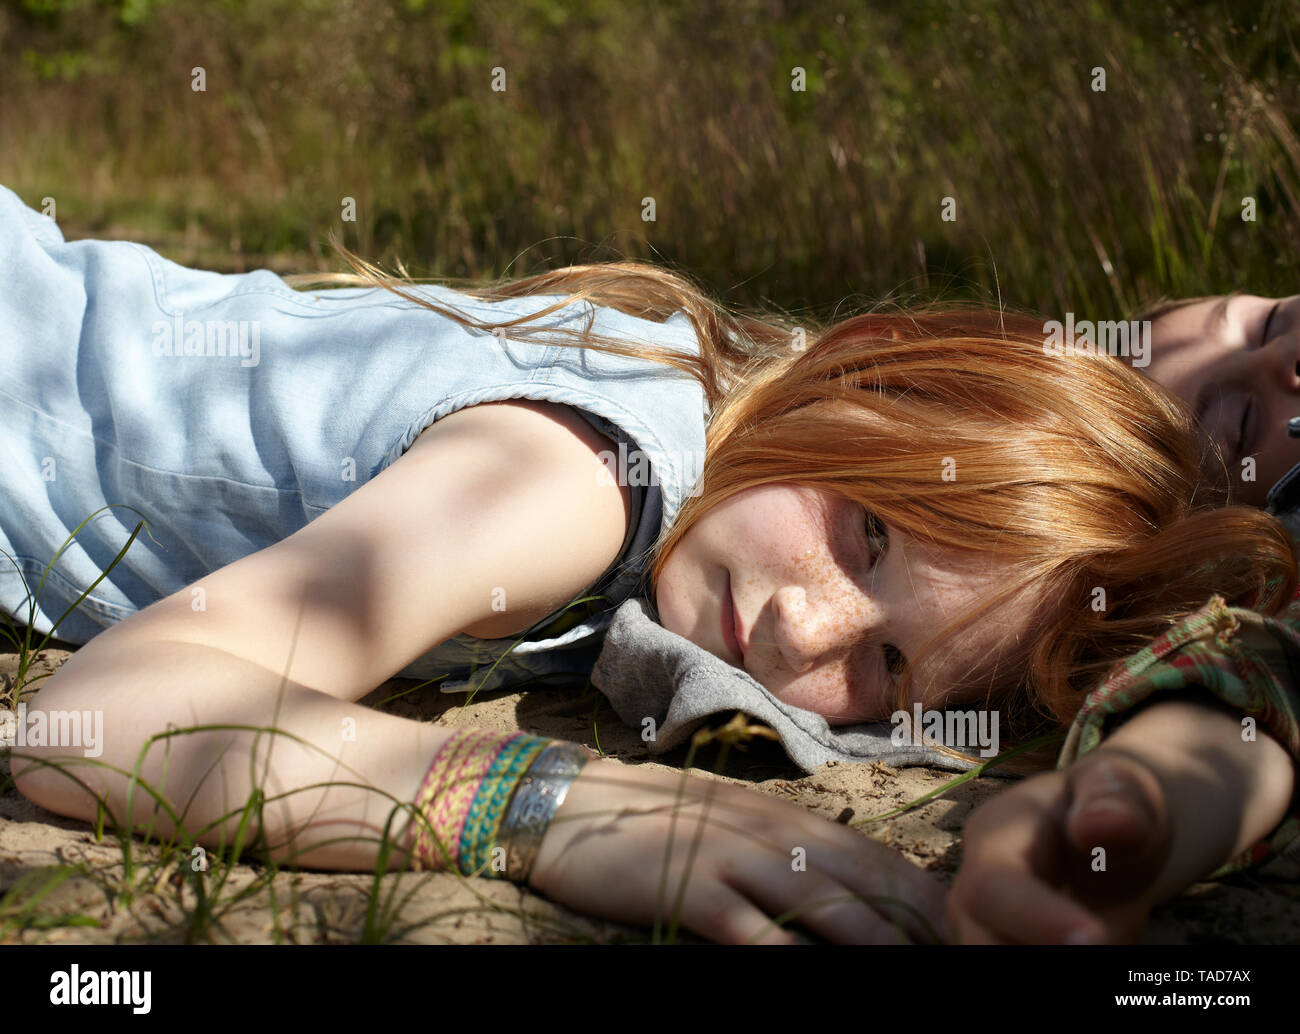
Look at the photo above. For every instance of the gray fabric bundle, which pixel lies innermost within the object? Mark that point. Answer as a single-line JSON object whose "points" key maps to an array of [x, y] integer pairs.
{"points": [[647, 671]]}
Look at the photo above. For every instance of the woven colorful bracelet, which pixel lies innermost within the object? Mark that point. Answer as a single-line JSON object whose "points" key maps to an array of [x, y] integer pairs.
{"points": [[479, 836], [445, 796], [487, 799]]}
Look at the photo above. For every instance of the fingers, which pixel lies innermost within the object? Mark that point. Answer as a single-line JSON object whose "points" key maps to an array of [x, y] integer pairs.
{"points": [[818, 903], [892, 890], [848, 888], [727, 916], [752, 860], [895, 888], [1118, 827], [1001, 895], [1006, 905], [835, 882], [898, 890], [1115, 796], [1100, 829]]}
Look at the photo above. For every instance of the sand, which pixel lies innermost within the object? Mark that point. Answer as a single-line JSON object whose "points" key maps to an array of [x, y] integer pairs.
{"points": [[254, 906]]}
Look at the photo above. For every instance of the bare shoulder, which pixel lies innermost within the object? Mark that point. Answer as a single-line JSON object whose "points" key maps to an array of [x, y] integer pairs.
{"points": [[546, 424], [552, 442]]}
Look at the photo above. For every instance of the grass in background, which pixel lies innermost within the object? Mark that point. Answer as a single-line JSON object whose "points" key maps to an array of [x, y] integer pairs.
{"points": [[1066, 198]]}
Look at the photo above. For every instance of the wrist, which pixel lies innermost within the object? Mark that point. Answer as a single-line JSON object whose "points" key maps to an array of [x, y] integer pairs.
{"points": [[606, 803], [582, 798], [1226, 785], [486, 800], [535, 802]]}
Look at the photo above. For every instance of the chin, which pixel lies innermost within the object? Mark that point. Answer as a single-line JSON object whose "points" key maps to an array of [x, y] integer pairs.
{"points": [[834, 715]]}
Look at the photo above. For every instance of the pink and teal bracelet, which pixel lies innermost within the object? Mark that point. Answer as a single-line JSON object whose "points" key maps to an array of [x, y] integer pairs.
{"points": [[487, 799]]}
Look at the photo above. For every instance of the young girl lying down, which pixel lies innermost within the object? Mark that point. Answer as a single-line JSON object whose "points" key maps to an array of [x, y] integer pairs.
{"points": [[351, 484]]}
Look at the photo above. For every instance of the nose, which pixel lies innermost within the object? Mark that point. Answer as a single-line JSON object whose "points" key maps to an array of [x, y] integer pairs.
{"points": [[1276, 374], [806, 632], [1277, 363], [1287, 362]]}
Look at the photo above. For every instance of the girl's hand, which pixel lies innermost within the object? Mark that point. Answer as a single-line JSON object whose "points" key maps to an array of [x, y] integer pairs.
{"points": [[1032, 871], [758, 860]]}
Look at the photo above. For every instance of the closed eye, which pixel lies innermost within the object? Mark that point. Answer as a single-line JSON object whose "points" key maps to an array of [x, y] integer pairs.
{"points": [[1263, 337]]}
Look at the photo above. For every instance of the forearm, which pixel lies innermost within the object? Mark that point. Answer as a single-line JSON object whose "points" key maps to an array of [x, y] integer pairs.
{"points": [[208, 776], [1225, 791]]}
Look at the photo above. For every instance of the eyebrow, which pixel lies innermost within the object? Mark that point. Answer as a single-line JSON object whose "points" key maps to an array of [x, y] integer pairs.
{"points": [[1219, 314]]}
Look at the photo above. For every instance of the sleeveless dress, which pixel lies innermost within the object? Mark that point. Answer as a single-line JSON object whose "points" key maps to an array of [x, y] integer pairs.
{"points": [[228, 411]]}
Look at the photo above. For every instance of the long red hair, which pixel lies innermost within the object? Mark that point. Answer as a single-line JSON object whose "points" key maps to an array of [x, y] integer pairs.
{"points": [[955, 425]]}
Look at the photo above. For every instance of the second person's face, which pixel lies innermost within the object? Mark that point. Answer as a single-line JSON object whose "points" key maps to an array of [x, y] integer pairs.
{"points": [[1236, 361]]}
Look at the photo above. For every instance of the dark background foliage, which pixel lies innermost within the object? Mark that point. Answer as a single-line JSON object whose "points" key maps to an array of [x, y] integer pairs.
{"points": [[1066, 197]]}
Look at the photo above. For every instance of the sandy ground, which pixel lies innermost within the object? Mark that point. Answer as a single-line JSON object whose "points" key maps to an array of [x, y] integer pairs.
{"points": [[437, 908]]}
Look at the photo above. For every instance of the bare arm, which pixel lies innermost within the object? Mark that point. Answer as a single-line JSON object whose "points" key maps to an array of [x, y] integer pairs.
{"points": [[1224, 791], [499, 496]]}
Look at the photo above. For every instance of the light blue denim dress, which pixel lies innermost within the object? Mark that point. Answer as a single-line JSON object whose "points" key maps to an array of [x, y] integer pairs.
{"points": [[228, 411]]}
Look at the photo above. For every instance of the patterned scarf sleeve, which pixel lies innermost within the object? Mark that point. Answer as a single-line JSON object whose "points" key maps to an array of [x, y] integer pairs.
{"points": [[1249, 662]]}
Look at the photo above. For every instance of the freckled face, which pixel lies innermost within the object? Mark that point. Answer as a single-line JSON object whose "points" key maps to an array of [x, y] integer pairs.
{"points": [[808, 580], [1236, 362]]}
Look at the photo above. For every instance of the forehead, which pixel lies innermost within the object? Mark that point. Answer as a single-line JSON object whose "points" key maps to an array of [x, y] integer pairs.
{"points": [[1197, 315], [1187, 340]]}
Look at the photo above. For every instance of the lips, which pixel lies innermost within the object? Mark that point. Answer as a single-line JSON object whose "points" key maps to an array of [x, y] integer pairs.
{"points": [[731, 628]]}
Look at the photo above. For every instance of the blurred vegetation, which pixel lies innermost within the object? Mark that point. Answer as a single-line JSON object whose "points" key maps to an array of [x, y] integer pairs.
{"points": [[1067, 197]]}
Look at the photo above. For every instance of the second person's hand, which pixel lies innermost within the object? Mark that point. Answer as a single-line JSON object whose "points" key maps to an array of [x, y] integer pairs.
{"points": [[1031, 856]]}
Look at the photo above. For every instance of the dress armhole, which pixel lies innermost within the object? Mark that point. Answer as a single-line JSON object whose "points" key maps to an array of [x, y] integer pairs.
{"points": [[553, 624]]}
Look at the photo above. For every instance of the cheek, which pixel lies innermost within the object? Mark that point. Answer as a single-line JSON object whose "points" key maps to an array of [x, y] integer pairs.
{"points": [[1175, 377], [774, 519], [677, 585], [830, 692]]}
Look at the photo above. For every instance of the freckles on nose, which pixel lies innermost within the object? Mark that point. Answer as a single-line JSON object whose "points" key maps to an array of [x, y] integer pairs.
{"points": [[823, 624], [838, 610]]}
